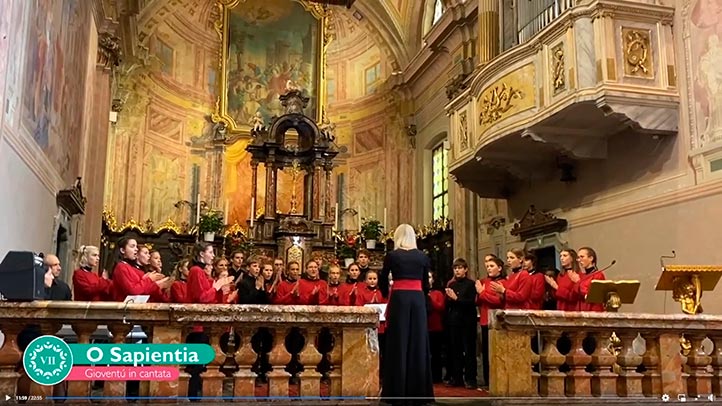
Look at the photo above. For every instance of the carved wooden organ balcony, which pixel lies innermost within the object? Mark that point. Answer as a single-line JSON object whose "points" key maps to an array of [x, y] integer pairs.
{"points": [[598, 69]]}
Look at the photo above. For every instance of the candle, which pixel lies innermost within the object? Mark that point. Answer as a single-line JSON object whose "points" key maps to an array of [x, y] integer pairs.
{"points": [[384, 224], [225, 212], [335, 219], [253, 210], [198, 209], [359, 217]]}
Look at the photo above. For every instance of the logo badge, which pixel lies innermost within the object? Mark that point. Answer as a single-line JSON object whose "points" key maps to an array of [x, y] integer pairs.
{"points": [[48, 360]]}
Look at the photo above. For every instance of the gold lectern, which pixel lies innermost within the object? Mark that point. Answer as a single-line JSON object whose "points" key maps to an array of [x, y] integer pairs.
{"points": [[612, 293], [687, 282]]}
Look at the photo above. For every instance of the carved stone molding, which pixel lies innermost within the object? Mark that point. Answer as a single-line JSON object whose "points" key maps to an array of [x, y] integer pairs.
{"points": [[463, 130], [637, 53], [537, 222], [71, 199], [557, 74], [109, 51], [496, 102]]}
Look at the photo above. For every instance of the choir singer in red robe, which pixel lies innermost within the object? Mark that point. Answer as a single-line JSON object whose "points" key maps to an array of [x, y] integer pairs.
{"points": [[565, 286], [288, 292], [588, 262], [129, 279], [87, 284], [201, 286], [313, 289]]}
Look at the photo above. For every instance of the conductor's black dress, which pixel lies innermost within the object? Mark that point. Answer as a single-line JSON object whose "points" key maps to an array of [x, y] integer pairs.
{"points": [[407, 357]]}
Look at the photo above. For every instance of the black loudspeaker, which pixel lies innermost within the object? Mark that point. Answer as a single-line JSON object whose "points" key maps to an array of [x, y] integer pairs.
{"points": [[22, 277]]}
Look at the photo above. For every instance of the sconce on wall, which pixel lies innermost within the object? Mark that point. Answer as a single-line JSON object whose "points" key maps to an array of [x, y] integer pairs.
{"points": [[411, 131]]}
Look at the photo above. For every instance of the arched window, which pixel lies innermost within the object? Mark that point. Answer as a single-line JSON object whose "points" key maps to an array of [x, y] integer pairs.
{"points": [[438, 11], [440, 179]]}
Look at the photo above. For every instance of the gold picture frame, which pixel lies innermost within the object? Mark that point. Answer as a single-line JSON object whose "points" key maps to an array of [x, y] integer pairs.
{"points": [[241, 93]]}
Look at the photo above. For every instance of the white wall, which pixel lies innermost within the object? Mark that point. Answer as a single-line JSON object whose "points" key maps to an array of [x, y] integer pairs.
{"points": [[27, 208]]}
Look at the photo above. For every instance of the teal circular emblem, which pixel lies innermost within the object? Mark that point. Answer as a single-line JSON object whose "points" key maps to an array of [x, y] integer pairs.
{"points": [[48, 360]]}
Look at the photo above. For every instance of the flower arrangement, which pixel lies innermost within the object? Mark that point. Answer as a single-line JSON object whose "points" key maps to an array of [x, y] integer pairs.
{"points": [[346, 245]]}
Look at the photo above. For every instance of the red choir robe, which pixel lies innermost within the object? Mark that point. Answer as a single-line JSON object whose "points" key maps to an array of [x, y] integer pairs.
{"points": [[285, 295], [369, 295], [333, 298], [179, 292], [567, 293], [200, 287], [488, 300], [435, 317], [131, 281], [584, 284], [308, 297], [88, 286], [536, 291], [346, 293], [518, 290]]}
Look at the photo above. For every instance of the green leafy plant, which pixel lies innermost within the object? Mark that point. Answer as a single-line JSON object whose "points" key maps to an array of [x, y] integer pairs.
{"points": [[211, 222], [371, 229]]}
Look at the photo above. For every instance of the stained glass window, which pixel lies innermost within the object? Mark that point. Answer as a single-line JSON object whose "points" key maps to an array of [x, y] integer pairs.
{"points": [[440, 177]]}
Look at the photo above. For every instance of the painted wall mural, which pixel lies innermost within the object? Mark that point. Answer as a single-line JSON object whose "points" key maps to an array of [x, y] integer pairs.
{"points": [[269, 45], [706, 47], [54, 85]]}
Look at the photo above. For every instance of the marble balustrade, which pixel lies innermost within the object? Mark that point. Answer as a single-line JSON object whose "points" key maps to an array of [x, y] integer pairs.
{"points": [[608, 355], [334, 345]]}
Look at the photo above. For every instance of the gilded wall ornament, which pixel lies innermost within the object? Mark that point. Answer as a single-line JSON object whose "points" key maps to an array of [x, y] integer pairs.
{"points": [[637, 53], [559, 81], [169, 225], [497, 102], [463, 130]]}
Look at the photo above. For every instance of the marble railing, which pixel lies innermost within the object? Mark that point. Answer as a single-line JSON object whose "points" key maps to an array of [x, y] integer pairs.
{"points": [[626, 355], [331, 350]]}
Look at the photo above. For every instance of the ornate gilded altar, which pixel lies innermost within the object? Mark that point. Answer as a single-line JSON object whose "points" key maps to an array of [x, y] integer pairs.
{"points": [[293, 142]]}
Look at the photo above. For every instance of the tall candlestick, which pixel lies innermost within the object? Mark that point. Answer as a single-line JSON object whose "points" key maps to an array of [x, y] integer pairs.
{"points": [[384, 224], [253, 210], [335, 219], [198, 209]]}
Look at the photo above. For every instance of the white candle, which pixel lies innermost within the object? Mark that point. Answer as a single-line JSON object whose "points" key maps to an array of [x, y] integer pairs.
{"points": [[359, 217], [198, 209], [253, 210], [335, 219], [384, 224]]}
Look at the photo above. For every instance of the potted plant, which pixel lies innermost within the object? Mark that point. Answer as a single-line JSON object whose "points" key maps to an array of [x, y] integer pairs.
{"points": [[371, 230], [210, 223], [346, 249]]}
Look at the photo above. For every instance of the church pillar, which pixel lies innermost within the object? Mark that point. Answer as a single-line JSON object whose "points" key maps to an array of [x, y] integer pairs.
{"points": [[254, 185], [329, 217], [271, 176], [488, 30], [317, 178], [95, 155], [465, 227]]}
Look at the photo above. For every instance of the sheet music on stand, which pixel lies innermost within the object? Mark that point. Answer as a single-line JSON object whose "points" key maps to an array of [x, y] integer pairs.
{"points": [[381, 308], [136, 299]]}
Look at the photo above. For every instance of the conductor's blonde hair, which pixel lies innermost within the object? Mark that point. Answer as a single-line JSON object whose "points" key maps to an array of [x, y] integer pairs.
{"points": [[404, 237]]}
